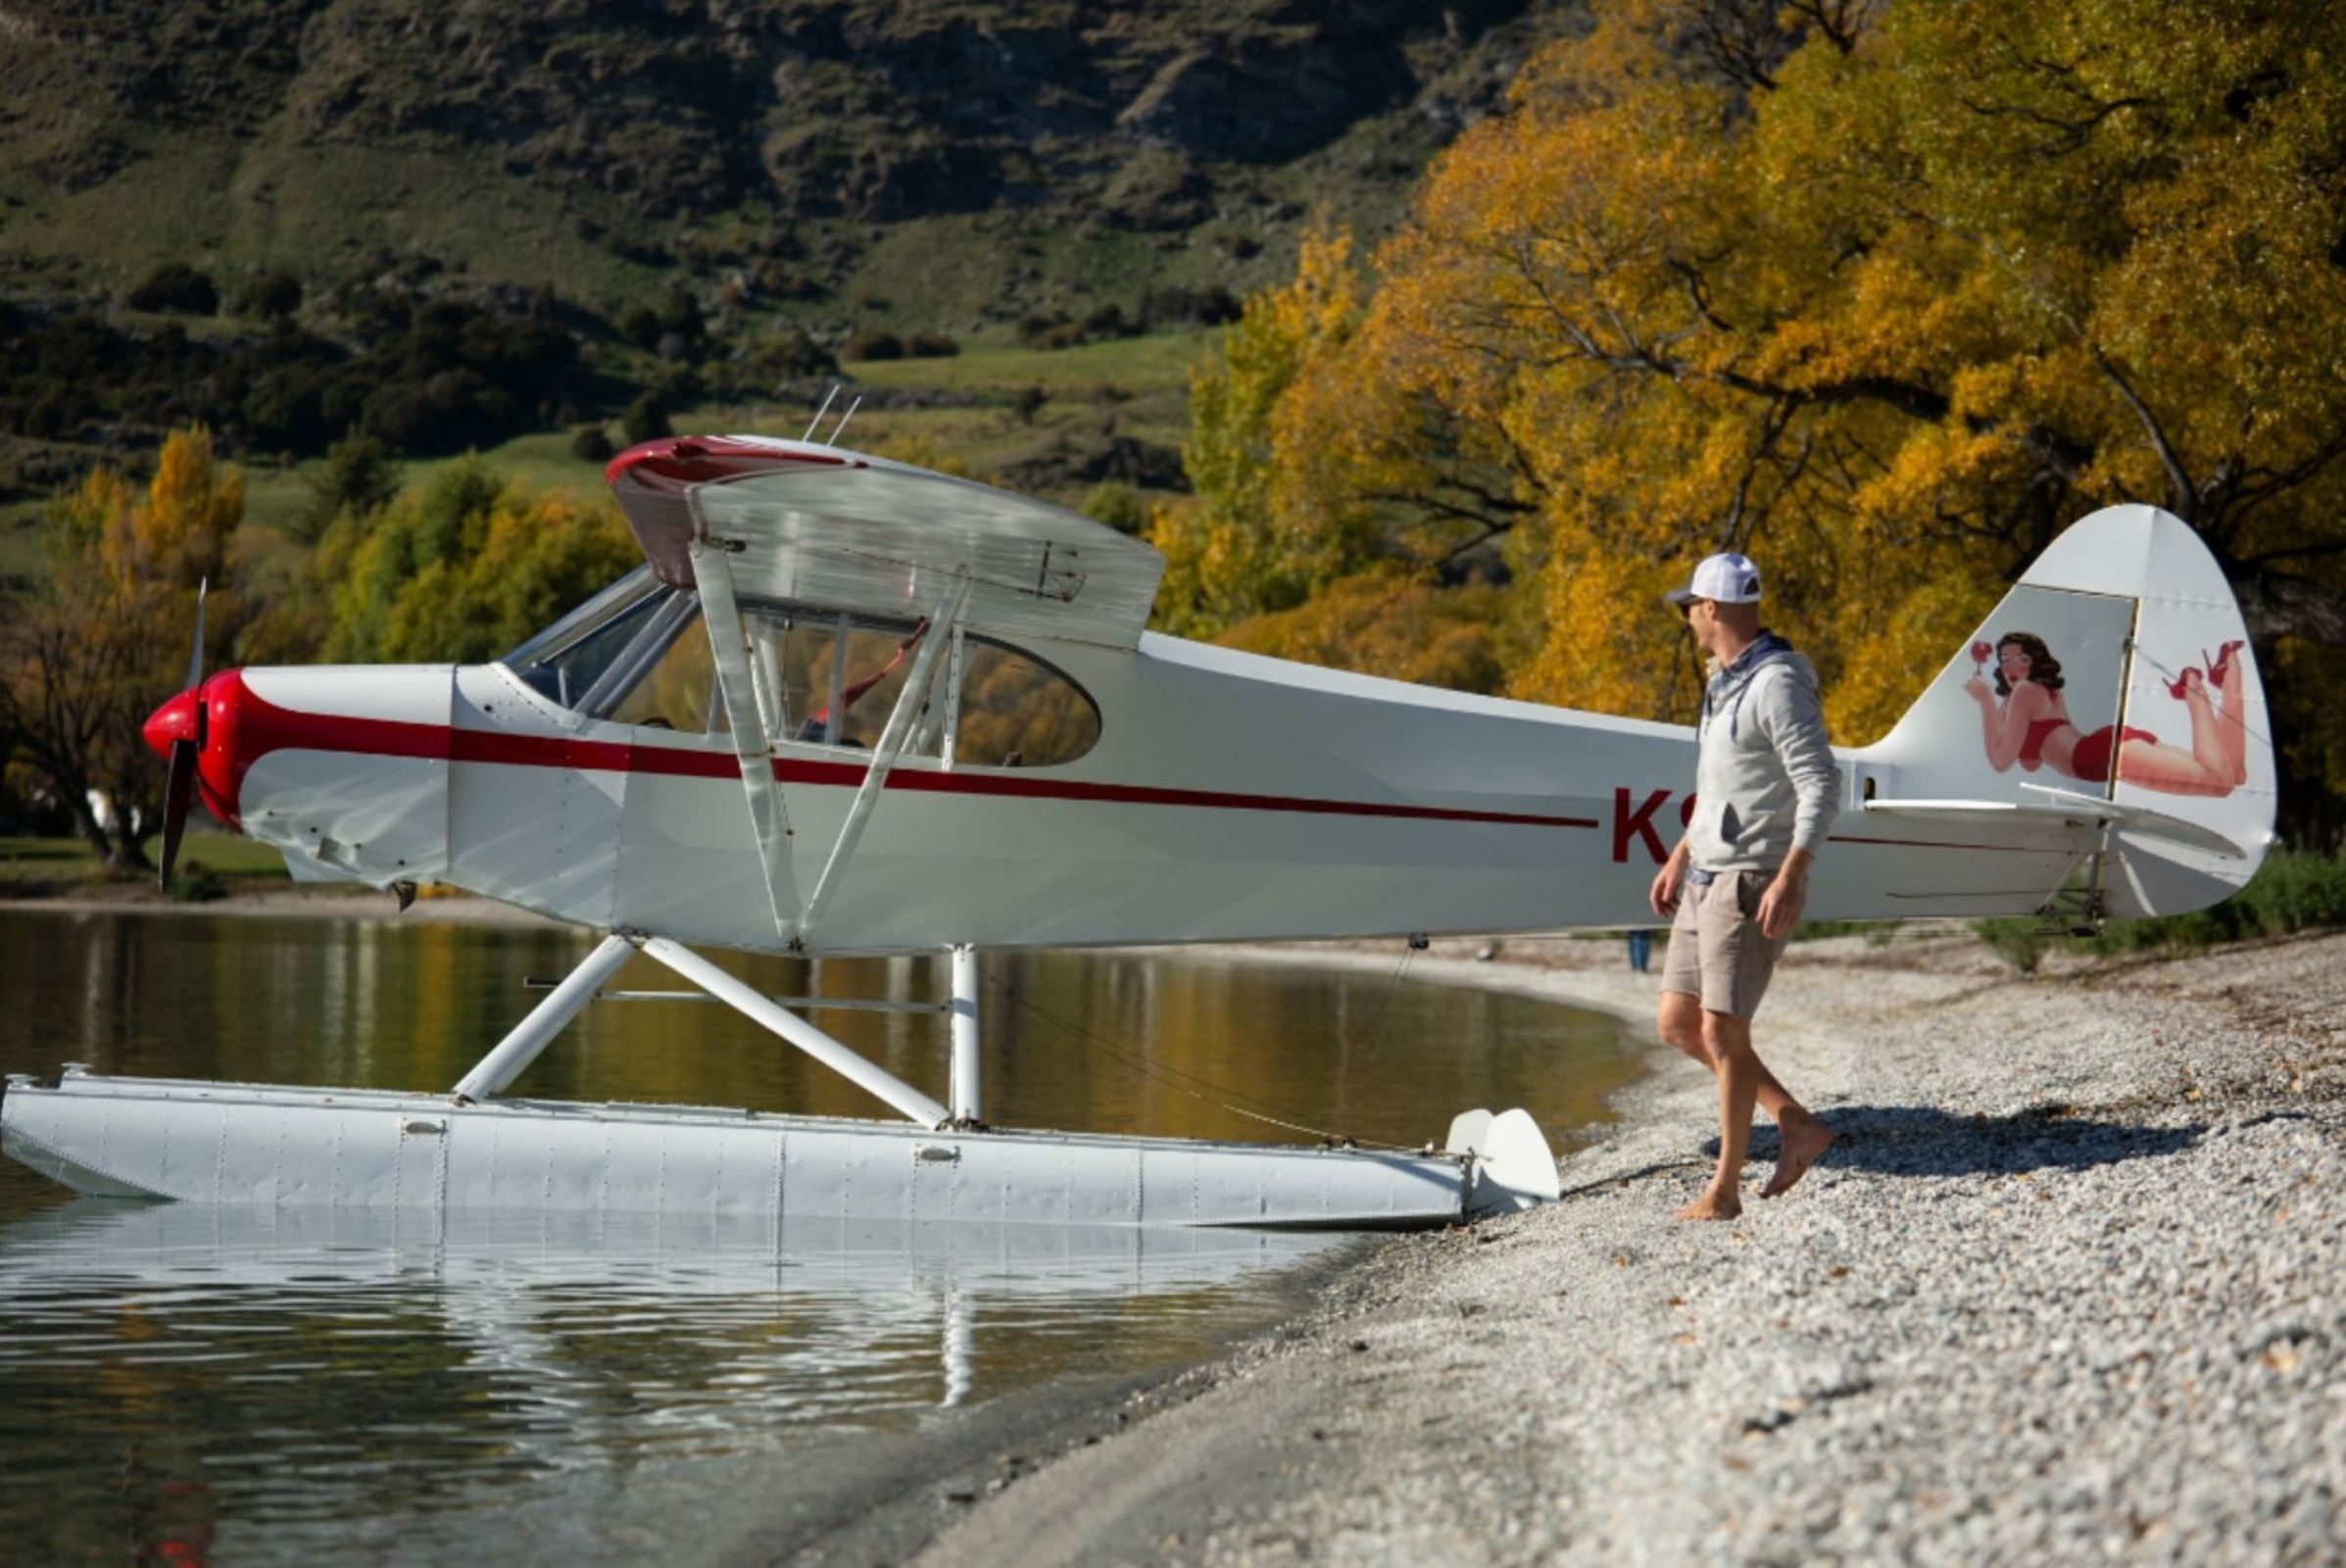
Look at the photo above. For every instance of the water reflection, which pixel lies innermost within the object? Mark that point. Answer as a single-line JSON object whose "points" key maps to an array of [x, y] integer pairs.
{"points": [[308, 1361]]}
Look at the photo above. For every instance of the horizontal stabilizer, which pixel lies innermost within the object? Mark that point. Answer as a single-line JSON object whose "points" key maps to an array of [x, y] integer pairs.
{"points": [[2065, 807], [2141, 819]]}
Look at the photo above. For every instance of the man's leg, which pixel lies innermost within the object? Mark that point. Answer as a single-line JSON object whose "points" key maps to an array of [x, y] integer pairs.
{"points": [[1729, 1041], [1737, 961], [1680, 1025]]}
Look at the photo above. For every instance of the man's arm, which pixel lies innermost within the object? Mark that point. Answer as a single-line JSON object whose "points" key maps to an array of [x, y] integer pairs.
{"points": [[1794, 723], [1669, 881]]}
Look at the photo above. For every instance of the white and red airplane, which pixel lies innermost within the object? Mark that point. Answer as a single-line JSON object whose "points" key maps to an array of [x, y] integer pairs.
{"points": [[851, 705]]}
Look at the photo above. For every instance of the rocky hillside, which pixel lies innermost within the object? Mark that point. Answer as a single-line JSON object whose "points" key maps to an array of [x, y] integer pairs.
{"points": [[936, 162]]}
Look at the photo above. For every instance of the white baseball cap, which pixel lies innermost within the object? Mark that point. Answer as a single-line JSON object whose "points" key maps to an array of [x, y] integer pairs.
{"points": [[1726, 578]]}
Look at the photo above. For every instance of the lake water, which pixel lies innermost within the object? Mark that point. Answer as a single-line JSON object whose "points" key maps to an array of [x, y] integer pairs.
{"points": [[195, 1383]]}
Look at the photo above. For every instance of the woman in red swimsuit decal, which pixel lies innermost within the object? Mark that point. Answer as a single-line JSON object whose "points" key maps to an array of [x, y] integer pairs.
{"points": [[2025, 722]]}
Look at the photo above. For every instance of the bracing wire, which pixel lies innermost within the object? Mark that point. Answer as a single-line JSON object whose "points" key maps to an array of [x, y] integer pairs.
{"points": [[1189, 1084], [1392, 982]]}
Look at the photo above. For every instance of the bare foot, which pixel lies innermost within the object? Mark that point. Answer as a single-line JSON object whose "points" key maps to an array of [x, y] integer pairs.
{"points": [[1713, 1206], [1800, 1143]]}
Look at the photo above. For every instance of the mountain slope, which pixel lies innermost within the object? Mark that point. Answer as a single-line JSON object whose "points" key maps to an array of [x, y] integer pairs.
{"points": [[1044, 154]]}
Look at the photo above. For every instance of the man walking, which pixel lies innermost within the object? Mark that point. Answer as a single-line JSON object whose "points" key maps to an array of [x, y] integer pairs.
{"points": [[1765, 793]]}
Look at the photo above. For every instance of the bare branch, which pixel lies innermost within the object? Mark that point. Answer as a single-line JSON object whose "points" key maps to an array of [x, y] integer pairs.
{"points": [[2181, 489]]}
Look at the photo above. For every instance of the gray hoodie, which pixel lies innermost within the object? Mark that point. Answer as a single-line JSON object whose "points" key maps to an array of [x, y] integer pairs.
{"points": [[1765, 783]]}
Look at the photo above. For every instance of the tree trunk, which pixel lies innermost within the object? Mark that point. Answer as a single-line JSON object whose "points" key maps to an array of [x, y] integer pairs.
{"points": [[86, 820], [2276, 604], [125, 850]]}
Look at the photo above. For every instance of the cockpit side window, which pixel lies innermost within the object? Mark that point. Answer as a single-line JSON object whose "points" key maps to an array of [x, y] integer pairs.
{"points": [[1018, 711], [825, 678]]}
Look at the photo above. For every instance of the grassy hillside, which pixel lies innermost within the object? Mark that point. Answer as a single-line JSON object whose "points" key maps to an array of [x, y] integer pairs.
{"points": [[953, 166], [1136, 388]]}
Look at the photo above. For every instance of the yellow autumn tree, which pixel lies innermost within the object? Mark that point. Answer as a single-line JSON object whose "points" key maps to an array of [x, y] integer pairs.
{"points": [[180, 537], [1886, 294], [87, 654]]}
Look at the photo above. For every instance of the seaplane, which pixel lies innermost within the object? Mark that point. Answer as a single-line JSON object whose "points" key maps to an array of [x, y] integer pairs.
{"points": [[848, 706]]}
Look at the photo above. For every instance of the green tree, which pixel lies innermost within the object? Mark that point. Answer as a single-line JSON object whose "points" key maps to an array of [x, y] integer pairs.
{"points": [[359, 477], [464, 567], [1234, 551]]}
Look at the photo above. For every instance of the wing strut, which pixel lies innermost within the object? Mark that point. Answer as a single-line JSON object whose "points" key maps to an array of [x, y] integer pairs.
{"points": [[943, 619], [769, 814]]}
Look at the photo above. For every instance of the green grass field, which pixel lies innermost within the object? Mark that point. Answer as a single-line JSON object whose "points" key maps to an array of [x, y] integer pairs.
{"points": [[1139, 386], [1136, 366], [30, 868]]}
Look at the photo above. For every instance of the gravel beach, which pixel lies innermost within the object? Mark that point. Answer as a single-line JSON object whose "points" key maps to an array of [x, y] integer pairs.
{"points": [[2072, 1287]]}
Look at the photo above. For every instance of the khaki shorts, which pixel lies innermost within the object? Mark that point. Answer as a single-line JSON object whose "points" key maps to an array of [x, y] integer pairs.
{"points": [[1716, 950]]}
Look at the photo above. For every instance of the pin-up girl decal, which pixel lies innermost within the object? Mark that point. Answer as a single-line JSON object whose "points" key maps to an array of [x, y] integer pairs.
{"points": [[2025, 722]]}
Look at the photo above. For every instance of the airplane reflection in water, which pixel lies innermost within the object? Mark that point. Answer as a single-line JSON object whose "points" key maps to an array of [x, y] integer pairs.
{"points": [[758, 1319]]}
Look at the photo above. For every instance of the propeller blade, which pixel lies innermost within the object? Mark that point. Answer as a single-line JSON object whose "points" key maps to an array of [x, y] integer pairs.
{"points": [[177, 790], [195, 655]]}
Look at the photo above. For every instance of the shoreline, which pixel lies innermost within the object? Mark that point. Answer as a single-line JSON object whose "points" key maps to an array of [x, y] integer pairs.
{"points": [[2071, 1285]]}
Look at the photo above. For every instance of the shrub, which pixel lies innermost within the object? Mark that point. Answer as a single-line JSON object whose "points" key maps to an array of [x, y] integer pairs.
{"points": [[646, 420], [1032, 327], [197, 883], [931, 346], [640, 326], [874, 344], [1028, 402], [680, 313], [1108, 322], [592, 444], [2294, 889], [787, 356], [175, 286], [2018, 940], [1208, 305], [1116, 504], [272, 296]]}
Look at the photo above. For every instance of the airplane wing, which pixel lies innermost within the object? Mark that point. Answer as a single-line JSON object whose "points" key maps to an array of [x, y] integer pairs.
{"points": [[815, 525]]}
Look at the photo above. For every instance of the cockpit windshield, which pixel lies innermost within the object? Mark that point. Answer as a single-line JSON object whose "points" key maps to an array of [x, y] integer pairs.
{"points": [[593, 657], [635, 656]]}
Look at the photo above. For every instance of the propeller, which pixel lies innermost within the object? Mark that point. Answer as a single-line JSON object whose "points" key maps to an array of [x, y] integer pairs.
{"points": [[180, 784]]}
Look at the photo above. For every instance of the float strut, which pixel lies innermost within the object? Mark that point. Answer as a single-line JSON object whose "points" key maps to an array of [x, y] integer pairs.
{"points": [[519, 1049], [874, 1080], [965, 1097]]}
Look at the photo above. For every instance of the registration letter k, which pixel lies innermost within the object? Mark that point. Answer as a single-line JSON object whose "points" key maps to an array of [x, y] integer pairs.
{"points": [[1637, 824]]}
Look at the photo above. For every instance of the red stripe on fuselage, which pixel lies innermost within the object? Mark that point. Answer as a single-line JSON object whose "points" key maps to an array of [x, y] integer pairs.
{"points": [[288, 731], [262, 726]]}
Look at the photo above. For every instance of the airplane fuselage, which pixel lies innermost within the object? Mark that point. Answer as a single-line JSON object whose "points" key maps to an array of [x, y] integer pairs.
{"points": [[1228, 798]]}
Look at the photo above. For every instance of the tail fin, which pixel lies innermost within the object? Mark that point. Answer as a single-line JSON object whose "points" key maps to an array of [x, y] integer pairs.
{"points": [[2137, 726]]}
